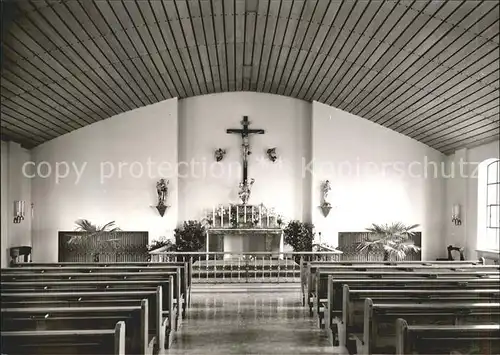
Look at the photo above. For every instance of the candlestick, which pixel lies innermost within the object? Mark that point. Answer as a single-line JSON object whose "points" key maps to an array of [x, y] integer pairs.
{"points": [[267, 215], [237, 216], [260, 216], [229, 214], [221, 216], [253, 217], [245, 214]]}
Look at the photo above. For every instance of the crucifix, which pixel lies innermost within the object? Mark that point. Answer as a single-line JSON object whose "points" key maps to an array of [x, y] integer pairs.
{"points": [[245, 132]]}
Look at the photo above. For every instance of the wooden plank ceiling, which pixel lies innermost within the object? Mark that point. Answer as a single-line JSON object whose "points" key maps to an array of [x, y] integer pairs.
{"points": [[427, 69]]}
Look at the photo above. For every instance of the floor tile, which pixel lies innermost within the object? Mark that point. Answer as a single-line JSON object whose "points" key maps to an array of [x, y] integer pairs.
{"points": [[250, 323]]}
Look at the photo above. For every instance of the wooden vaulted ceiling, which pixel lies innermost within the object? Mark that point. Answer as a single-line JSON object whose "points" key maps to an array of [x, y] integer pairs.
{"points": [[427, 69]]}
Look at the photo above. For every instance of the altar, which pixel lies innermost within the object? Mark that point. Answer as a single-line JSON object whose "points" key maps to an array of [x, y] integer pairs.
{"points": [[237, 229]]}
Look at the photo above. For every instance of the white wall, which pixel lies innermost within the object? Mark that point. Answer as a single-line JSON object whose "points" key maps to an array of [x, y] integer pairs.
{"points": [[377, 176], [186, 133], [14, 187], [463, 189], [203, 121], [145, 137]]}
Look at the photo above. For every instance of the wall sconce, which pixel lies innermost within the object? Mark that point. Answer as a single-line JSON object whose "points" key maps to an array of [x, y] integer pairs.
{"points": [[271, 154], [219, 154], [19, 211], [455, 215]]}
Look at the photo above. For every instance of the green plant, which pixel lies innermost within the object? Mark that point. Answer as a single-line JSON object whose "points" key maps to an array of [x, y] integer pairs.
{"points": [[190, 237], [157, 244], [92, 230], [299, 235], [394, 239]]}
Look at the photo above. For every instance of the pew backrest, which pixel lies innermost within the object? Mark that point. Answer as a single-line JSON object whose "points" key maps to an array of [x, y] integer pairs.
{"points": [[411, 338], [376, 314], [113, 340]]}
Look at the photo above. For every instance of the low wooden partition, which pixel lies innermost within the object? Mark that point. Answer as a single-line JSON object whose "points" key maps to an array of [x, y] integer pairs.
{"points": [[118, 246]]}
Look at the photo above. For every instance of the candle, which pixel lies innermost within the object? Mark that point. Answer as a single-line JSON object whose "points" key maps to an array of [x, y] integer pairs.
{"points": [[245, 214], [253, 217], [229, 214], [260, 216], [267, 215], [237, 216]]}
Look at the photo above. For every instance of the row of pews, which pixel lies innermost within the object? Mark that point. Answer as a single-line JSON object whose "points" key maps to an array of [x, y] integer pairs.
{"points": [[93, 308], [406, 307]]}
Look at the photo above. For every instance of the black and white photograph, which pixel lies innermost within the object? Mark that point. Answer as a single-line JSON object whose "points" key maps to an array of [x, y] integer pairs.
{"points": [[261, 177]]}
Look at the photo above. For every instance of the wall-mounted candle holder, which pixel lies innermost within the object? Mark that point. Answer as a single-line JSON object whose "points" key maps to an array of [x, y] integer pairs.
{"points": [[456, 219], [19, 211]]}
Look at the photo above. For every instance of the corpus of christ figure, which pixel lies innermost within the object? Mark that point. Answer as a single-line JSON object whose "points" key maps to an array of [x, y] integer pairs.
{"points": [[245, 136]]}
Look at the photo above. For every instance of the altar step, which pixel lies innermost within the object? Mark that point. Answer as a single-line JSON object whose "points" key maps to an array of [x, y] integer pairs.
{"points": [[246, 287]]}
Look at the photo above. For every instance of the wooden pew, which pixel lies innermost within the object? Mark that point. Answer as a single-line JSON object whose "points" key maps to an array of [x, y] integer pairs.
{"points": [[334, 303], [99, 281], [444, 339], [353, 302], [319, 296], [62, 342], [122, 265], [184, 267], [316, 269], [162, 312], [308, 269], [138, 340], [380, 318], [186, 270]]}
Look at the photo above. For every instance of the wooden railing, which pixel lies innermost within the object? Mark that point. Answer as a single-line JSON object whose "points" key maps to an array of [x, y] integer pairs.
{"points": [[250, 267]]}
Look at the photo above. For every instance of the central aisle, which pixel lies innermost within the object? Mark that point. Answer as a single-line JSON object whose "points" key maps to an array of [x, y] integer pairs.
{"points": [[268, 320]]}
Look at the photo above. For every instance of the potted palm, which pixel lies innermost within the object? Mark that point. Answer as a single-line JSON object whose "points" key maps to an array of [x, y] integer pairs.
{"points": [[394, 239], [90, 236]]}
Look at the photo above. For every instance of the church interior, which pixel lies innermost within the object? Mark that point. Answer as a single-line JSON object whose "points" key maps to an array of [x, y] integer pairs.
{"points": [[250, 177]]}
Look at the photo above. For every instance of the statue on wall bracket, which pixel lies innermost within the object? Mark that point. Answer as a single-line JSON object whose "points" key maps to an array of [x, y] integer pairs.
{"points": [[219, 154], [162, 191], [325, 205]]}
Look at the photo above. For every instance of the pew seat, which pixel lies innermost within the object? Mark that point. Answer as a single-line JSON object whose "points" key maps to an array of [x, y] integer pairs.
{"points": [[308, 269], [353, 303], [161, 308], [184, 268], [379, 331], [446, 339], [319, 291], [67, 341], [138, 338], [99, 285]]}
